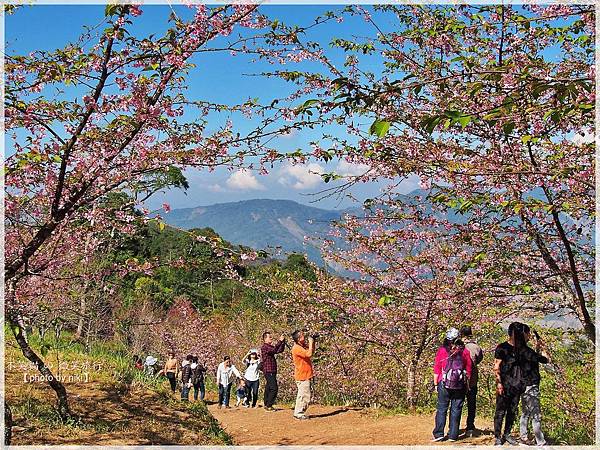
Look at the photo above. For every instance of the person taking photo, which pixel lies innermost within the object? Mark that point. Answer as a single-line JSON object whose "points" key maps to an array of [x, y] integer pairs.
{"points": [[303, 371], [268, 365], [530, 399]]}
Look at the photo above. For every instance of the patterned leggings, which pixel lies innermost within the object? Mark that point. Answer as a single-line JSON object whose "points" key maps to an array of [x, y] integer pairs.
{"points": [[530, 404]]}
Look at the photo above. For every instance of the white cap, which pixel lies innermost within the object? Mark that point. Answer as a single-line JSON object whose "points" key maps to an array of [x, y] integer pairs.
{"points": [[150, 360], [451, 334]]}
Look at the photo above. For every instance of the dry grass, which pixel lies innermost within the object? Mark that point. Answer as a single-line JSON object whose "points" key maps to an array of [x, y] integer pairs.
{"points": [[113, 407]]}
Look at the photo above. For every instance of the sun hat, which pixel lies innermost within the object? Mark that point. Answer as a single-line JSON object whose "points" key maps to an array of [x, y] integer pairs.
{"points": [[452, 334], [150, 360]]}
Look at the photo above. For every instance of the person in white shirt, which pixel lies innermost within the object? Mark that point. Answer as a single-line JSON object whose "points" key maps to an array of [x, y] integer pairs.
{"points": [[252, 376], [225, 373]]}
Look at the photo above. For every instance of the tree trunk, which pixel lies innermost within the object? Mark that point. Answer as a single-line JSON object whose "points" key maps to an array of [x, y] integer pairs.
{"points": [[8, 423], [61, 393], [81, 320], [573, 286], [411, 397]]}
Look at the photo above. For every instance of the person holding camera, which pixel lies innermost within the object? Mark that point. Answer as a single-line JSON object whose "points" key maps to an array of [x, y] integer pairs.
{"points": [[530, 398], [303, 371], [268, 366]]}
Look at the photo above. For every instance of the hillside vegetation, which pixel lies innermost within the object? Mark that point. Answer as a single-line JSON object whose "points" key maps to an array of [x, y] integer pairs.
{"points": [[114, 403]]}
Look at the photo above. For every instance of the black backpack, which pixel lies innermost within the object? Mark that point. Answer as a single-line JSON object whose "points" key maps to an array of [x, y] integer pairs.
{"points": [[197, 374], [513, 379]]}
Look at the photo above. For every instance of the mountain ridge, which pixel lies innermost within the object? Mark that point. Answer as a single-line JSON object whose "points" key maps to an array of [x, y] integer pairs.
{"points": [[262, 223]]}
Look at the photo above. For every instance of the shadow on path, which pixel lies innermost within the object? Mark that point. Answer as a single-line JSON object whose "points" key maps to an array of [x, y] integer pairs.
{"points": [[333, 413]]}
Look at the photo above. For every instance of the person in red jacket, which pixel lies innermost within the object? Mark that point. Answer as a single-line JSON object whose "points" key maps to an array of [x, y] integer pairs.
{"points": [[451, 374]]}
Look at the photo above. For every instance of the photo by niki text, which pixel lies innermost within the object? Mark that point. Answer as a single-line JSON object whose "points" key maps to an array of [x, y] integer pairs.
{"points": [[64, 371]]}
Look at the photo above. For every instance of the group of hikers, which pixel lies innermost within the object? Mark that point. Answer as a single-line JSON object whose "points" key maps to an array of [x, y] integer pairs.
{"points": [[455, 376], [517, 375], [192, 373]]}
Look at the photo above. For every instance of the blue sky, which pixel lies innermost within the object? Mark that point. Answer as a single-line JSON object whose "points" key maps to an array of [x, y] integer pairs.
{"points": [[221, 78]]}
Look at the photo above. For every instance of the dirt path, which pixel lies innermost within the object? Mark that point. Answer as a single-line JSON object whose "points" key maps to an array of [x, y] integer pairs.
{"points": [[330, 425]]}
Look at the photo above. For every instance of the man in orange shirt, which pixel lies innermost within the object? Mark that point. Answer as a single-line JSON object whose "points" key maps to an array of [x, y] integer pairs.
{"points": [[303, 371]]}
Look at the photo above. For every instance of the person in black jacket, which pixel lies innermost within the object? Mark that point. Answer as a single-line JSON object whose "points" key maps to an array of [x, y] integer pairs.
{"points": [[530, 399], [509, 382], [186, 378], [198, 371]]}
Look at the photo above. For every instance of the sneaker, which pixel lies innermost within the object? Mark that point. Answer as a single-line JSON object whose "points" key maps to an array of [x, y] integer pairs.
{"points": [[302, 417], [542, 444], [510, 440], [469, 433], [269, 408], [438, 439], [452, 440], [525, 442], [498, 441]]}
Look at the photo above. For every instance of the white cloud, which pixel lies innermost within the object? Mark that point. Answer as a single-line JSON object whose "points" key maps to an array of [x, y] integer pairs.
{"points": [[587, 138], [244, 180], [216, 188], [346, 169], [290, 134], [301, 176]]}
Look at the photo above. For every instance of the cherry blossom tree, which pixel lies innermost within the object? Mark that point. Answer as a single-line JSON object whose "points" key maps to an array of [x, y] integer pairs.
{"points": [[492, 109], [124, 129]]}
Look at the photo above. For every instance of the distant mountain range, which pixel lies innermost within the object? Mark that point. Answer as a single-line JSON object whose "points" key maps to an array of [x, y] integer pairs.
{"points": [[272, 225], [276, 225], [280, 227]]}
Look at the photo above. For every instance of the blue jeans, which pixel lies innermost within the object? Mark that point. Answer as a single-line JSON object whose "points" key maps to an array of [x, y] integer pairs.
{"points": [[454, 400], [185, 392], [199, 387], [224, 393], [252, 392]]}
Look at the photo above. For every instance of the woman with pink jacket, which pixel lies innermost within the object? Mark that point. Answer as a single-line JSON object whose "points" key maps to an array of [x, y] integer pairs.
{"points": [[451, 373]]}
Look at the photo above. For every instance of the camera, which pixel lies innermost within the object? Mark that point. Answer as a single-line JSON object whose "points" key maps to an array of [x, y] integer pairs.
{"points": [[312, 335]]}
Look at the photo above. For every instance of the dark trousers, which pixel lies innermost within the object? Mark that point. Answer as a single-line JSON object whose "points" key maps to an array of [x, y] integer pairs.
{"points": [[172, 380], [506, 405], [199, 387], [252, 392], [471, 407], [224, 394], [271, 389], [453, 399]]}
